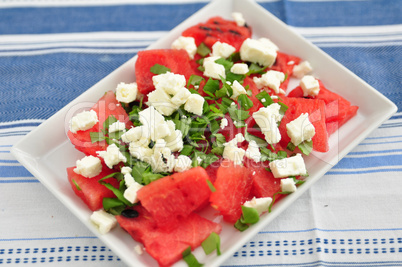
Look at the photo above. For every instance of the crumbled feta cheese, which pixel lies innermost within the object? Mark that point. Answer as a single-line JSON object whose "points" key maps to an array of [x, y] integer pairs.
{"points": [[222, 49], [234, 154], [194, 104], [224, 123], [310, 86], [300, 129], [141, 152], [161, 101], [138, 249], [124, 170], [180, 97], [162, 160], [112, 155], [257, 52], [126, 92], [213, 69], [131, 192], [154, 122], [183, 163], [239, 68], [237, 139], [271, 79], [129, 179], [260, 204], [83, 121], [161, 131], [186, 43], [238, 17], [103, 221], [117, 126], [169, 82], [88, 166], [268, 43], [135, 134], [302, 69], [288, 185], [286, 167], [175, 141], [253, 152], [267, 118], [238, 89]]}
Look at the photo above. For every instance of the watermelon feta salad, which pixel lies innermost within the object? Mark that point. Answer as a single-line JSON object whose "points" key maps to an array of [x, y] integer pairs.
{"points": [[208, 124]]}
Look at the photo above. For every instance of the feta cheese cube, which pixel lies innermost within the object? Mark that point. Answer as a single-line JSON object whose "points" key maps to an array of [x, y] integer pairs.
{"points": [[103, 221], [302, 69], [222, 50], [162, 160], [300, 129], [224, 123], [239, 68], [183, 163], [117, 126], [141, 152], [83, 121], [161, 131], [234, 154], [124, 170], [175, 141], [112, 156], [268, 43], [186, 43], [139, 249], [310, 86], [128, 179], [237, 139], [135, 134], [131, 192], [169, 82], [253, 151], [238, 17], [150, 117], [260, 204], [257, 52], [195, 104], [161, 101], [271, 79], [238, 89], [292, 166], [88, 166], [288, 185], [180, 97], [267, 118], [213, 69], [126, 92]]}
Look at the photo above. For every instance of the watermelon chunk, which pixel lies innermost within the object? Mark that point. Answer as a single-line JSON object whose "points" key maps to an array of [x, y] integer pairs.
{"points": [[264, 183], [89, 190], [106, 106], [338, 110], [285, 63], [166, 247], [316, 110], [177, 61], [233, 185], [218, 29], [174, 197]]}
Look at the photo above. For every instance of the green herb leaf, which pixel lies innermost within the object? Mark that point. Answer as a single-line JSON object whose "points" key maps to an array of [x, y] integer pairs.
{"points": [[255, 69], [203, 50], [241, 226], [291, 146], [187, 150], [238, 114], [194, 80], [211, 243], [273, 198], [264, 98], [190, 259], [159, 69], [110, 120], [306, 147], [117, 193], [211, 86], [250, 215], [211, 186], [225, 63], [245, 102], [97, 137], [76, 185]]}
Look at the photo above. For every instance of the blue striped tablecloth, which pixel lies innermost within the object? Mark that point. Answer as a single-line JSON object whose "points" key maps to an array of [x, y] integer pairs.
{"points": [[51, 51]]}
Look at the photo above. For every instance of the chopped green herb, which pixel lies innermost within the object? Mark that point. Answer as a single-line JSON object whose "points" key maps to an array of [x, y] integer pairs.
{"points": [[245, 102], [306, 147], [250, 215], [291, 146], [113, 205], [211, 186], [190, 259], [264, 98], [76, 185], [241, 226], [159, 69], [203, 50], [238, 114], [273, 198], [117, 193], [194, 80], [97, 137], [213, 242], [255, 69], [211, 86]]}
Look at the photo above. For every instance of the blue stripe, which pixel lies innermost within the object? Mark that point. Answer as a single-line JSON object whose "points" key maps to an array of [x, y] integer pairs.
{"points": [[47, 238], [8, 161], [109, 49], [374, 152], [352, 163], [328, 263], [14, 171], [331, 230], [383, 137], [18, 181], [363, 172], [14, 125], [381, 143], [95, 18]]}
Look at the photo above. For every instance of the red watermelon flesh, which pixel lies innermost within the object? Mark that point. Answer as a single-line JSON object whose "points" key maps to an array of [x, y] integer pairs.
{"points": [[264, 183], [91, 192], [285, 63], [316, 110], [177, 61], [106, 106], [254, 90], [173, 197], [218, 29], [338, 110], [167, 246], [233, 185]]}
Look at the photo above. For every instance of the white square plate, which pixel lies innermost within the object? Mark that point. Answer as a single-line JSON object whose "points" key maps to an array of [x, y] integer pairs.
{"points": [[46, 152]]}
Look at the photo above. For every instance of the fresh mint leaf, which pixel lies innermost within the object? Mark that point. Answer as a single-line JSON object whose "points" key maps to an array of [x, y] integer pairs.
{"points": [[250, 215], [159, 69], [211, 86], [211, 243], [245, 102], [264, 98], [255, 69], [203, 50], [97, 137], [194, 80], [306, 147], [190, 259]]}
